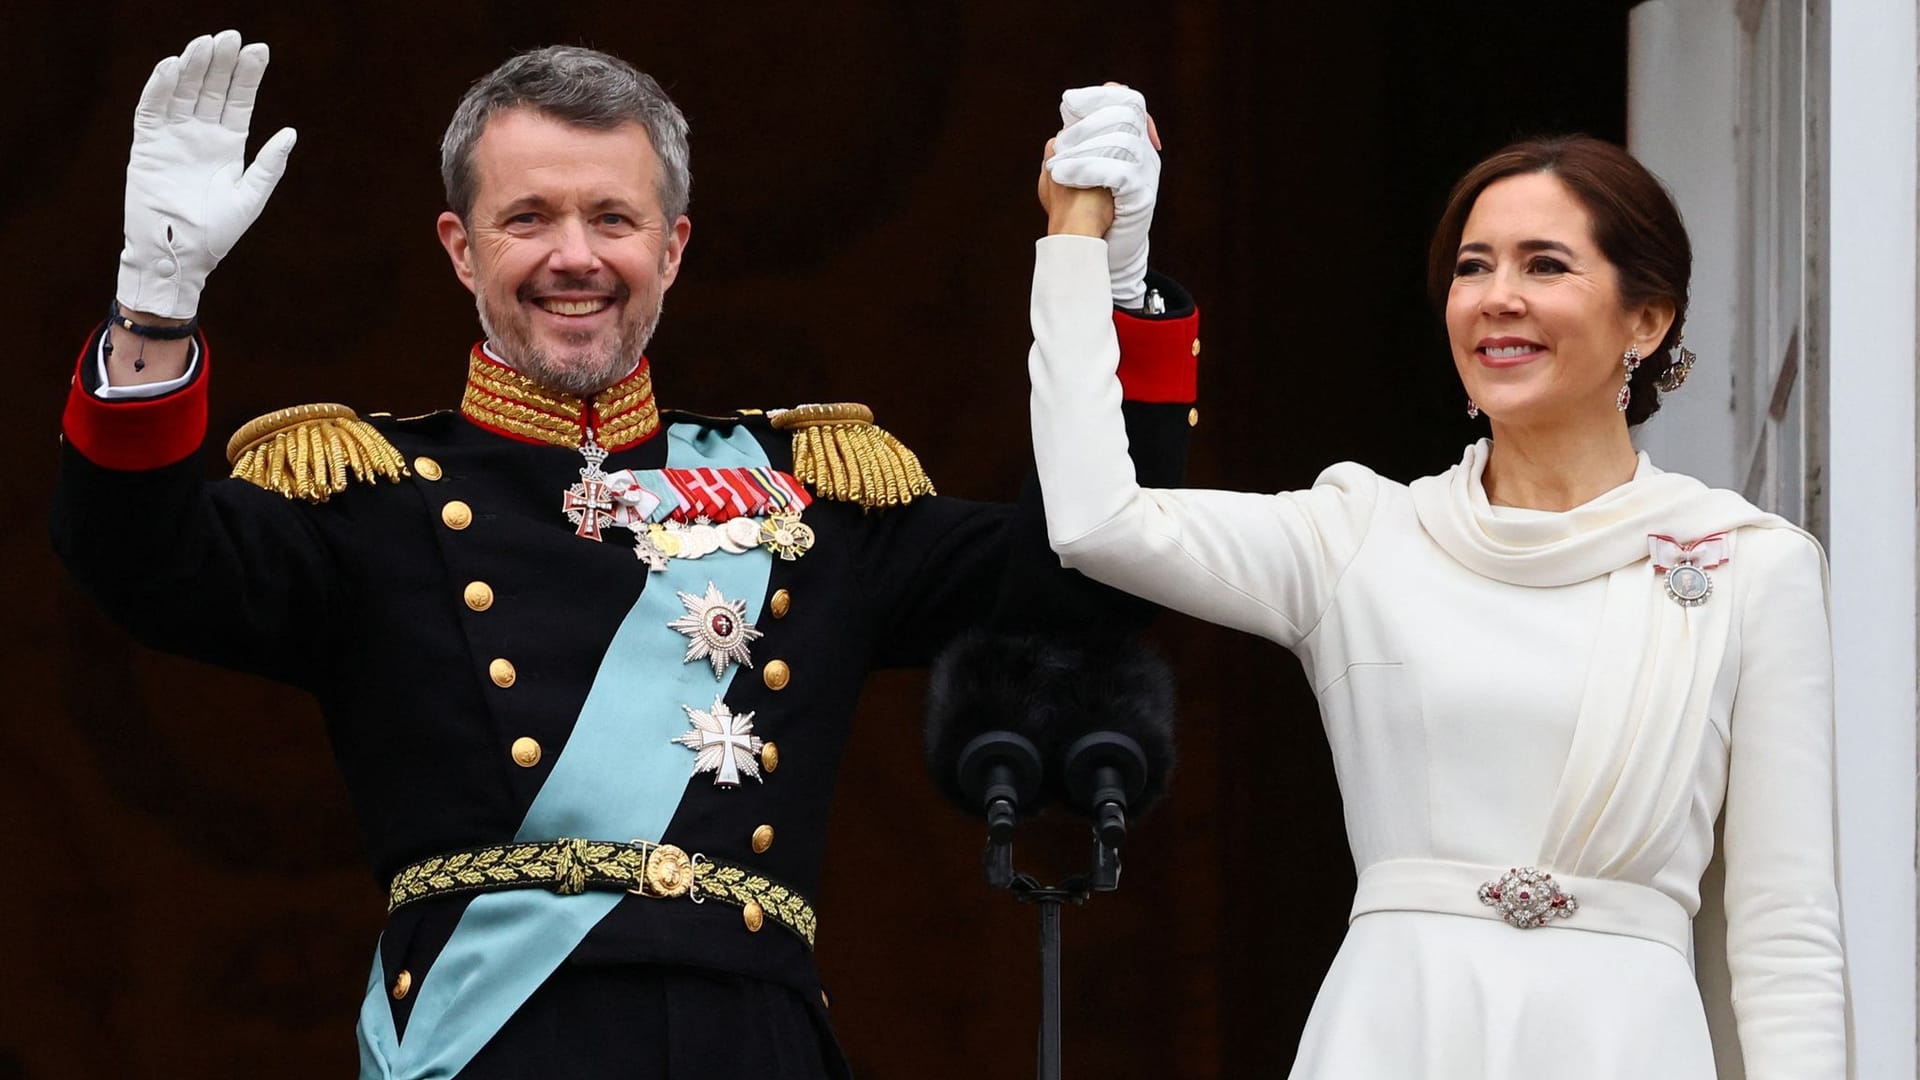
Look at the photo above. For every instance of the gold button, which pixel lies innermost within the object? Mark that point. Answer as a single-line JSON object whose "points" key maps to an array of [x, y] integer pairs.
{"points": [[776, 675], [769, 756], [456, 515], [782, 600], [479, 595], [1193, 417], [426, 468], [502, 672], [402, 984], [526, 752], [1196, 346], [754, 916], [762, 839]]}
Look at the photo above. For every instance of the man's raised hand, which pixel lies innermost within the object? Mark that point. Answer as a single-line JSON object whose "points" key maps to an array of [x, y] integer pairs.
{"points": [[190, 193]]}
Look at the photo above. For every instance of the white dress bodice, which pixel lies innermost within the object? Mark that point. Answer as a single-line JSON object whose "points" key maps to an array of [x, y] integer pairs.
{"points": [[1560, 716]]}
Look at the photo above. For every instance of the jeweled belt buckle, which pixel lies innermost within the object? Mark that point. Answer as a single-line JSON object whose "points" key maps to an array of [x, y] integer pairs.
{"points": [[667, 873], [1528, 898]]}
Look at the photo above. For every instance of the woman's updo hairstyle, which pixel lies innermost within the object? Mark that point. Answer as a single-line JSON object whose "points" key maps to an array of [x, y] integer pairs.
{"points": [[1635, 224]]}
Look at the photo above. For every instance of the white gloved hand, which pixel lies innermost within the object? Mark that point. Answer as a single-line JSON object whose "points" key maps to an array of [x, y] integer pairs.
{"points": [[189, 195], [1107, 142]]}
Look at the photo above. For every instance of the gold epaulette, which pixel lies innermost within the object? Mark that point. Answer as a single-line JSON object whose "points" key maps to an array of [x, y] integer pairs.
{"points": [[308, 451], [841, 455]]}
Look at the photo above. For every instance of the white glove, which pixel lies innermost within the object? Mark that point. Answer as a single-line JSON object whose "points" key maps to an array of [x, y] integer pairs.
{"points": [[188, 199], [1105, 143]]}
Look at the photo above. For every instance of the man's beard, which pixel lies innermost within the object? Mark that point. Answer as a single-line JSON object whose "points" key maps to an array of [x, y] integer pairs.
{"points": [[591, 365]]}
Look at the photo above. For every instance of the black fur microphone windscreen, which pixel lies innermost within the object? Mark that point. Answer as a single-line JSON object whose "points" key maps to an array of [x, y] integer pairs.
{"points": [[1052, 691]]}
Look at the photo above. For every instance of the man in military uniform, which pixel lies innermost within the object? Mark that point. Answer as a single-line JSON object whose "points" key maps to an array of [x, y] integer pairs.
{"points": [[588, 667]]}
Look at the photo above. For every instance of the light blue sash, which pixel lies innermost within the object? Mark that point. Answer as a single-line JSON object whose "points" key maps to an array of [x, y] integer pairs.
{"points": [[620, 777]]}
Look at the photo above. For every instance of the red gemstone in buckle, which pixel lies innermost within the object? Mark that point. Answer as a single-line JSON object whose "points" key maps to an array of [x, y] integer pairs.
{"points": [[1528, 898]]}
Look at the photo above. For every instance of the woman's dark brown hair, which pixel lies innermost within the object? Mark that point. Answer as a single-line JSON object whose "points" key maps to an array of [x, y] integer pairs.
{"points": [[1635, 224]]}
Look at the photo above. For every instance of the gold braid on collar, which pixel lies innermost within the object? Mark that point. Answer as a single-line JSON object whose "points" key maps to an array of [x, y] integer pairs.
{"points": [[840, 453], [501, 399]]}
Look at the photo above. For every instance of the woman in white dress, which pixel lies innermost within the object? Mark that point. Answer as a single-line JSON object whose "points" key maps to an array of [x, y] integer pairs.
{"points": [[1544, 673]]}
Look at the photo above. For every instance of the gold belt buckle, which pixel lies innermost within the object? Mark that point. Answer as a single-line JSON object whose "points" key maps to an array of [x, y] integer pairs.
{"points": [[667, 872]]}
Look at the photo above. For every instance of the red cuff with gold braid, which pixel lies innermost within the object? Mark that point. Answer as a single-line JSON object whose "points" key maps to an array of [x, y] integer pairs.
{"points": [[1159, 358], [134, 434]]}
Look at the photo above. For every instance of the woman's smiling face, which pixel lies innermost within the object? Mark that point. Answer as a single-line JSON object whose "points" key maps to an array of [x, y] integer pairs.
{"points": [[1533, 314]]}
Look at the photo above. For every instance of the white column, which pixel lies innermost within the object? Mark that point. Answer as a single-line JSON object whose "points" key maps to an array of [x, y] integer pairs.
{"points": [[1682, 84], [1869, 289]]}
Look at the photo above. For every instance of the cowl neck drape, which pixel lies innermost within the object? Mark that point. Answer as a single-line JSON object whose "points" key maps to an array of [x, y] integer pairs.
{"points": [[1620, 810]]}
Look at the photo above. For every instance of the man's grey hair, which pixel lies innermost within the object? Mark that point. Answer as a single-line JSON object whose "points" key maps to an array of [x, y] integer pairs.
{"points": [[575, 85]]}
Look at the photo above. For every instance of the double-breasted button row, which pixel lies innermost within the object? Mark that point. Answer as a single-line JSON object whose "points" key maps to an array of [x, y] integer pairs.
{"points": [[752, 914], [455, 514], [775, 673], [478, 595]]}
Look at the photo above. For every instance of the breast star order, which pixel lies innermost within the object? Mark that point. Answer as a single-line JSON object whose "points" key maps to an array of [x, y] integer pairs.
{"points": [[724, 744], [718, 630]]}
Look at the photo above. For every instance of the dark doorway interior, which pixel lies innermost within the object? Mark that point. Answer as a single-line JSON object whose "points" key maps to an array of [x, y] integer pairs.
{"points": [[863, 214]]}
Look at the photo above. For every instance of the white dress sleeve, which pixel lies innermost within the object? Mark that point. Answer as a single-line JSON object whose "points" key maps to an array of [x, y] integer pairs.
{"points": [[1783, 907], [1266, 564]]}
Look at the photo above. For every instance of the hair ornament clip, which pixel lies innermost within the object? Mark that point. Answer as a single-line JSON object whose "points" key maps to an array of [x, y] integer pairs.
{"points": [[1679, 366]]}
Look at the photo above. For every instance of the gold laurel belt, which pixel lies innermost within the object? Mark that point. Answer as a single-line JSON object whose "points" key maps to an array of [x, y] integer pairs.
{"points": [[570, 867]]}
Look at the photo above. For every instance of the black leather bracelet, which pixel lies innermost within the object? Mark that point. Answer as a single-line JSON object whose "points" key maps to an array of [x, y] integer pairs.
{"points": [[116, 317]]}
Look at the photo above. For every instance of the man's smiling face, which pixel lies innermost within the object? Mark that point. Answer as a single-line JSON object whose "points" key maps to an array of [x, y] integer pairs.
{"points": [[566, 250]]}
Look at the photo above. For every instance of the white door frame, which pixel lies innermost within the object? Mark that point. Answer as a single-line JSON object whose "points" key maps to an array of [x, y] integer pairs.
{"points": [[1803, 311], [1867, 144]]}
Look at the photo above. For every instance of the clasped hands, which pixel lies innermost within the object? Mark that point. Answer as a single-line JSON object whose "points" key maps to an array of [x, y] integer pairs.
{"points": [[1100, 176]]}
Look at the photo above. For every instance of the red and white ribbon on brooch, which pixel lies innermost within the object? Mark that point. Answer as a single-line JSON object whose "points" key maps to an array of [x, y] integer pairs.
{"points": [[1686, 562]]}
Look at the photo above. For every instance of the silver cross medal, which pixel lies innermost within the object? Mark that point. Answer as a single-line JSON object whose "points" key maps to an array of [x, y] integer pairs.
{"points": [[724, 744]]}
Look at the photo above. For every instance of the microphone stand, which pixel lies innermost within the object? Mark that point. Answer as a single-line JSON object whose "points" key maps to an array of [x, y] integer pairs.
{"points": [[1104, 876], [1103, 772]]}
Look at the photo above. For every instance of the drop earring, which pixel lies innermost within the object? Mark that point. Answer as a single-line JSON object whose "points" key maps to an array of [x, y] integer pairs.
{"points": [[1630, 360], [1473, 410]]}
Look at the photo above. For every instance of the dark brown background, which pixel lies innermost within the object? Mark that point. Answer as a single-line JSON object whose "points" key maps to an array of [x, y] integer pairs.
{"points": [[183, 890]]}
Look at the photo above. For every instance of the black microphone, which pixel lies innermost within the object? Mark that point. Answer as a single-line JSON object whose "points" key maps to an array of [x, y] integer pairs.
{"points": [[1112, 742], [1106, 774], [1100, 710]]}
